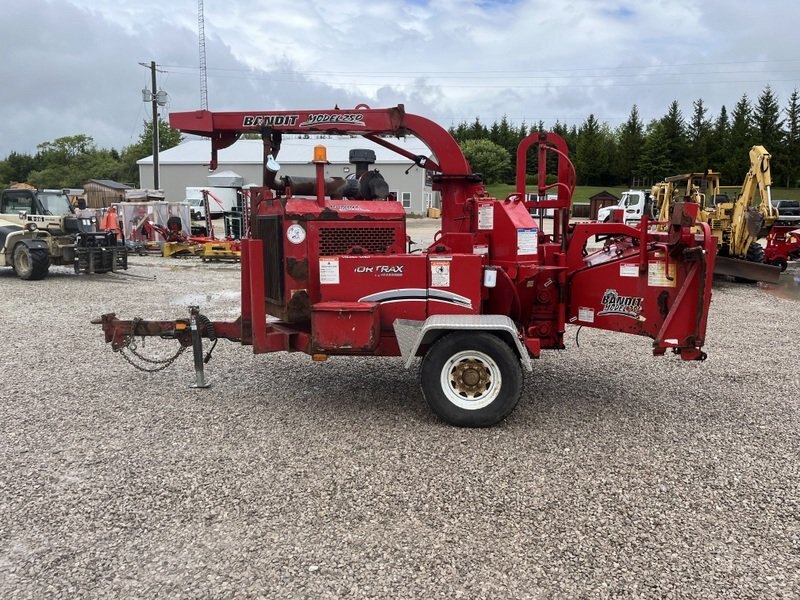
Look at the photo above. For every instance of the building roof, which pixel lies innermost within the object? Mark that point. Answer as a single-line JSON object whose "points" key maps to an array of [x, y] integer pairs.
{"points": [[604, 194], [293, 151], [109, 183]]}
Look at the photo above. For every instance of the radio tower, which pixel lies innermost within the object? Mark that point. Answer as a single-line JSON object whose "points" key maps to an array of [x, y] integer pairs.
{"points": [[201, 30]]}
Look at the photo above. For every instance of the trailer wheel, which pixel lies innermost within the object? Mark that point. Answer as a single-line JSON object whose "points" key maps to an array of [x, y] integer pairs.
{"points": [[471, 379], [30, 263]]}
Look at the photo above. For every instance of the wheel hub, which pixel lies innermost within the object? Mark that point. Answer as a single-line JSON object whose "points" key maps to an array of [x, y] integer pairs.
{"points": [[470, 378]]}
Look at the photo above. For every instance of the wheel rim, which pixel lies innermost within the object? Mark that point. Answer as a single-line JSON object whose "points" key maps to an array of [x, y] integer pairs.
{"points": [[471, 380], [23, 262]]}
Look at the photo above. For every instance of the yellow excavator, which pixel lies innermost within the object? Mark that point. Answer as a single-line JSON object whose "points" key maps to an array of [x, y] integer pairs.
{"points": [[737, 223]]}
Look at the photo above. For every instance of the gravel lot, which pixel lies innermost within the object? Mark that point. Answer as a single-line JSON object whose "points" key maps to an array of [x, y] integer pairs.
{"points": [[619, 474]]}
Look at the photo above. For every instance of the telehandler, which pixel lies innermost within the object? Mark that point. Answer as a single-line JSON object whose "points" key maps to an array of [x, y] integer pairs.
{"points": [[39, 228]]}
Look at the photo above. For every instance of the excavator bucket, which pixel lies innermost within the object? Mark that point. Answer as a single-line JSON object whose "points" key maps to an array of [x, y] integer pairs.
{"points": [[754, 222]]}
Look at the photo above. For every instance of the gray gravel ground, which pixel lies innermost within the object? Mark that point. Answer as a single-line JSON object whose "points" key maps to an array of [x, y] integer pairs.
{"points": [[619, 474]]}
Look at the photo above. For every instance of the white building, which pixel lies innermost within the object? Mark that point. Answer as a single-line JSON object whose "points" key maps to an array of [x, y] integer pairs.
{"points": [[186, 165]]}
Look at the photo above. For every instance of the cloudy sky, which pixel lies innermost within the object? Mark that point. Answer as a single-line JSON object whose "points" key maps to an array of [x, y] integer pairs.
{"points": [[72, 66]]}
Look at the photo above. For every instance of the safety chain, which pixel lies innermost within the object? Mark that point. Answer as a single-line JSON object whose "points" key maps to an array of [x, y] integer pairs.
{"points": [[130, 345]]}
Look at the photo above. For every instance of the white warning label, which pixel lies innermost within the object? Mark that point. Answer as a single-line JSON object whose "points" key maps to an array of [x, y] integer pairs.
{"points": [[628, 270], [486, 215], [586, 314], [440, 273], [328, 270], [657, 276], [527, 242]]}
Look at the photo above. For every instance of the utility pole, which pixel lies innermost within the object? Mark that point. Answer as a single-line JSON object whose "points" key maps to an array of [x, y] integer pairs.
{"points": [[157, 99], [155, 125]]}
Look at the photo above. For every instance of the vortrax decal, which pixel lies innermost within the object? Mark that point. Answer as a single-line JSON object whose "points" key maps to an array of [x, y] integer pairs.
{"points": [[380, 269], [328, 118], [624, 306]]}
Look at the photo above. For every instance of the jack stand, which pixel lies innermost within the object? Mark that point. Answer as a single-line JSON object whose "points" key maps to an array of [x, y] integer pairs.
{"points": [[197, 351]]}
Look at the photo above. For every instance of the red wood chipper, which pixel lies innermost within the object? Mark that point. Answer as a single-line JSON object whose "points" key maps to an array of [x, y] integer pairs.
{"points": [[328, 271]]}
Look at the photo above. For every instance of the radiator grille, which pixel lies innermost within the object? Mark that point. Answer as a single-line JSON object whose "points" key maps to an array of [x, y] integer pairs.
{"points": [[269, 229], [339, 240]]}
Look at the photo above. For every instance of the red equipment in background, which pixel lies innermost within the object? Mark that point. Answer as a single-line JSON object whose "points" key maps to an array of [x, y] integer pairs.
{"points": [[491, 292], [783, 245]]}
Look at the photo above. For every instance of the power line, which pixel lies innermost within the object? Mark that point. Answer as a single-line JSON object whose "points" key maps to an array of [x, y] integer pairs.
{"points": [[612, 82], [482, 73], [521, 77]]}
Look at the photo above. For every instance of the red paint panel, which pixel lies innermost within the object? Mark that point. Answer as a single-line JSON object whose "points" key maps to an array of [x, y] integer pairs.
{"points": [[454, 284], [397, 282], [345, 327], [617, 296]]}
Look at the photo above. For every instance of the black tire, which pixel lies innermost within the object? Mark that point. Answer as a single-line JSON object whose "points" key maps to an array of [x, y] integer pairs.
{"points": [[30, 263], [780, 262], [471, 379], [755, 253]]}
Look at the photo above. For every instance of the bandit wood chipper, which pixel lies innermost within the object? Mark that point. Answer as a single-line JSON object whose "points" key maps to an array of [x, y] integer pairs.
{"points": [[328, 270]]}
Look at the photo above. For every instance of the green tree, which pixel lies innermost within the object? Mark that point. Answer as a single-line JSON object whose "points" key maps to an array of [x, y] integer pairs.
{"points": [[719, 139], [70, 161], [168, 137], [630, 143], [767, 120], [790, 157], [740, 140], [65, 148], [655, 163], [487, 158], [477, 131], [675, 140], [592, 155], [699, 137], [17, 167]]}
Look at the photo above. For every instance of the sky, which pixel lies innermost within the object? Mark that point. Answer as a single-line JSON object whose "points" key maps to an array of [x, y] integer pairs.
{"points": [[72, 66]]}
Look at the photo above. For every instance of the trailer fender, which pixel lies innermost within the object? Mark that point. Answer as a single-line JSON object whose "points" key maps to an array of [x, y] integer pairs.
{"points": [[412, 334]]}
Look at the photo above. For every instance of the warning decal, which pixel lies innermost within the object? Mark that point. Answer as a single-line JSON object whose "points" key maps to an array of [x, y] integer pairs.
{"points": [[440, 273], [527, 242], [656, 275], [486, 215], [329, 270]]}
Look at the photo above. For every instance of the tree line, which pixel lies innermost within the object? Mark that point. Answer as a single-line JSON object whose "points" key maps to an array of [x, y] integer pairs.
{"points": [[639, 155], [71, 161], [632, 154]]}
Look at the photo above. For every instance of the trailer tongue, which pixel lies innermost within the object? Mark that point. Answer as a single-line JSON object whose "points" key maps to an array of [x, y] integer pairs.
{"points": [[332, 276]]}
